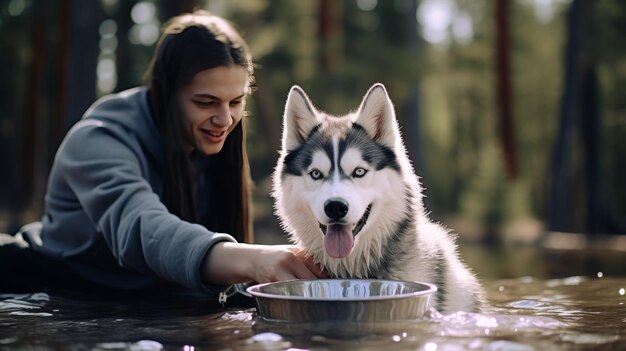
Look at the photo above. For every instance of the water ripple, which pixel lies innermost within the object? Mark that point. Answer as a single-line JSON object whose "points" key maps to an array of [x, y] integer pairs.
{"points": [[479, 324], [590, 339], [525, 314], [19, 302]]}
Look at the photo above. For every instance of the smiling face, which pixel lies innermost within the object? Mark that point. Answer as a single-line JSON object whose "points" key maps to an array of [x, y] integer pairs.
{"points": [[212, 104]]}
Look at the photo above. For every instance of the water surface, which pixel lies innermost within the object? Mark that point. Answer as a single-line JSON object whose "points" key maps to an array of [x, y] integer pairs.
{"points": [[582, 312]]}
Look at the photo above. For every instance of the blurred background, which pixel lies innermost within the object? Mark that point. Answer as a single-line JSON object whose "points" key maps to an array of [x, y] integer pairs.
{"points": [[513, 111]]}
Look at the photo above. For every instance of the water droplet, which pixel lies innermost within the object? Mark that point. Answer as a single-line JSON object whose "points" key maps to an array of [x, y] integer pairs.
{"points": [[146, 345], [508, 345], [500, 288], [600, 274], [430, 346], [112, 345], [570, 281], [266, 337], [396, 338], [526, 304], [622, 291], [476, 344], [39, 297]]}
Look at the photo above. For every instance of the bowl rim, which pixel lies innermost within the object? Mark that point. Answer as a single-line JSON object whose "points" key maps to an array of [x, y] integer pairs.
{"points": [[254, 290]]}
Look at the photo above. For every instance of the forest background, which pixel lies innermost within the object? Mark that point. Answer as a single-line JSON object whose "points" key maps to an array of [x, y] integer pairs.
{"points": [[513, 111]]}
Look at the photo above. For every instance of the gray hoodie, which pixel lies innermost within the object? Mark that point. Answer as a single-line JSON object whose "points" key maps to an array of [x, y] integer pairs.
{"points": [[103, 212]]}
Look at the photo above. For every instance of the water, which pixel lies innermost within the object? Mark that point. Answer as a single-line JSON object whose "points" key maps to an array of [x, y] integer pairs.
{"points": [[581, 312]]}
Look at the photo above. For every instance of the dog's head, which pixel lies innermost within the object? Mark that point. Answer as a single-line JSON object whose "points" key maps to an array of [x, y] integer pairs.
{"points": [[338, 174]]}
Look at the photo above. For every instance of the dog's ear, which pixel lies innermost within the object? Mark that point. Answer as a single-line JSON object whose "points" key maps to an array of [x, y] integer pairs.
{"points": [[376, 115], [299, 119]]}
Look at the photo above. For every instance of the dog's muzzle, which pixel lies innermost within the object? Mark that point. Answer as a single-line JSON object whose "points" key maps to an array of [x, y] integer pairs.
{"points": [[337, 208], [339, 237]]}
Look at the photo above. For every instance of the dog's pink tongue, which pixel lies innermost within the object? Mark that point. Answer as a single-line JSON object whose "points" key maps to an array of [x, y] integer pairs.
{"points": [[339, 240]]}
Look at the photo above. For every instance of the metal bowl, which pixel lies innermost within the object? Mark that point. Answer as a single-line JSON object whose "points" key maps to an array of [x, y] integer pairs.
{"points": [[354, 300]]}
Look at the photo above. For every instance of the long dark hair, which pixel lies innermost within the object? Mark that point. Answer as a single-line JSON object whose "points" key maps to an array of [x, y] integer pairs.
{"points": [[189, 44]]}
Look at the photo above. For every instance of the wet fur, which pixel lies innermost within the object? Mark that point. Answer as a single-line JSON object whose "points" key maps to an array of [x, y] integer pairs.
{"points": [[398, 240]]}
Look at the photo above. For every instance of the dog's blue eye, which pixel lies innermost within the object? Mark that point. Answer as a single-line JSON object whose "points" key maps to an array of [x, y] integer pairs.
{"points": [[359, 172], [316, 174]]}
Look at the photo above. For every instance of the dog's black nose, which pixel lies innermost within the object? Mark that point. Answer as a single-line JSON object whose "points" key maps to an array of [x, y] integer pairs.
{"points": [[336, 208]]}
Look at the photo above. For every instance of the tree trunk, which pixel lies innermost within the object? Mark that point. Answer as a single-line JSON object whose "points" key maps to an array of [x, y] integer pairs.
{"points": [[504, 96]]}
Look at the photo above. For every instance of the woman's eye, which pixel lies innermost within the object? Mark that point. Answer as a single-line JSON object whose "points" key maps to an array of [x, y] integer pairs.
{"points": [[316, 174], [204, 103], [359, 172]]}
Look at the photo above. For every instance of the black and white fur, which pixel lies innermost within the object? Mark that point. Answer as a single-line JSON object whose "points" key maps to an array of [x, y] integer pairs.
{"points": [[346, 191]]}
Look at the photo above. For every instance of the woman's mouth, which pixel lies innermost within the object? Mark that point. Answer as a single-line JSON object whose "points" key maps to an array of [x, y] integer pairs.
{"points": [[213, 133], [215, 136]]}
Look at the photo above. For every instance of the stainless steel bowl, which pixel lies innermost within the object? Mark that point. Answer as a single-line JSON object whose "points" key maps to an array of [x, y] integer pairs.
{"points": [[355, 300]]}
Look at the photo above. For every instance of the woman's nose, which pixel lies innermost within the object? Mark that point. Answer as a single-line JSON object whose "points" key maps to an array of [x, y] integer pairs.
{"points": [[222, 116]]}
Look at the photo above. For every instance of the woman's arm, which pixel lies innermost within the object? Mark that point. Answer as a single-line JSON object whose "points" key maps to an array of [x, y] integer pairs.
{"points": [[102, 166]]}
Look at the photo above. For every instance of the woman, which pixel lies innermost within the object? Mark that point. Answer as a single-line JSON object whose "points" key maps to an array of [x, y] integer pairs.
{"points": [[153, 186]]}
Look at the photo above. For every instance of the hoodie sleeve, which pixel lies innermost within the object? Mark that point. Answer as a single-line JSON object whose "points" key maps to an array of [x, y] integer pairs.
{"points": [[102, 165]]}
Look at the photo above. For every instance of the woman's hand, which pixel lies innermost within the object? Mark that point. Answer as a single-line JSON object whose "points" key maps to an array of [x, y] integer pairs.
{"points": [[229, 263]]}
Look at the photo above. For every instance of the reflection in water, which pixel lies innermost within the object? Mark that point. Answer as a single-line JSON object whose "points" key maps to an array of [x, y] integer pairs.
{"points": [[525, 314]]}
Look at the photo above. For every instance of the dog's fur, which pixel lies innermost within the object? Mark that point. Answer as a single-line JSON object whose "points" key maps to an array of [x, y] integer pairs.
{"points": [[345, 191]]}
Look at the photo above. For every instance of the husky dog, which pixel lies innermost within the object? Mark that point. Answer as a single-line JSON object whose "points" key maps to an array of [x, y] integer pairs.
{"points": [[346, 192]]}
